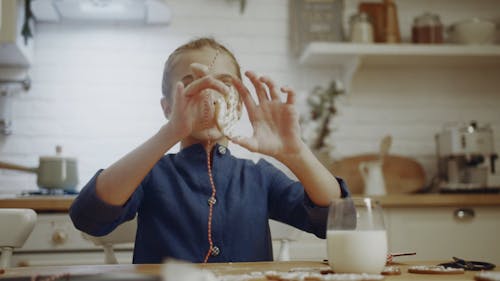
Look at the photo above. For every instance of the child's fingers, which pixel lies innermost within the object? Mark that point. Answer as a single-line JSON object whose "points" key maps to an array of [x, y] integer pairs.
{"points": [[245, 96], [290, 99], [272, 89], [207, 82], [259, 88], [248, 143], [199, 70], [179, 89]]}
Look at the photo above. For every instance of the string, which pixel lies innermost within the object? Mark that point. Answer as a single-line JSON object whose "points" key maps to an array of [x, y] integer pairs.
{"points": [[211, 200]]}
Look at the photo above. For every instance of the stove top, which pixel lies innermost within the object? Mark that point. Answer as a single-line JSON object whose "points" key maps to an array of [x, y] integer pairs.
{"points": [[49, 192]]}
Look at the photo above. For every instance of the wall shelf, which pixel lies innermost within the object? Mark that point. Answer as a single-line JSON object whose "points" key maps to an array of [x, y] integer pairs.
{"points": [[348, 57]]}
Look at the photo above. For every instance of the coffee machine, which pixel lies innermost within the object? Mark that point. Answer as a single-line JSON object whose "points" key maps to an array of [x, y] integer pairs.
{"points": [[467, 161]]}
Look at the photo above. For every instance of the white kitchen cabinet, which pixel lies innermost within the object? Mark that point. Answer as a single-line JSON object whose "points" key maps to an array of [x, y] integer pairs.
{"points": [[14, 50], [440, 233]]}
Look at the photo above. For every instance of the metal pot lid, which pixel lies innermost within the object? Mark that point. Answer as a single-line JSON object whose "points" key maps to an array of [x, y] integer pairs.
{"points": [[58, 157]]}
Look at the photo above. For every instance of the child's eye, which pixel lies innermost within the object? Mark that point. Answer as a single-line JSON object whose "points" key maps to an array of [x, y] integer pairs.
{"points": [[186, 80]]}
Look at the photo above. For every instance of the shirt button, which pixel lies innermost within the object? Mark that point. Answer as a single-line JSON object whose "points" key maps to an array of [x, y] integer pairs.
{"points": [[222, 150], [215, 251], [212, 201]]}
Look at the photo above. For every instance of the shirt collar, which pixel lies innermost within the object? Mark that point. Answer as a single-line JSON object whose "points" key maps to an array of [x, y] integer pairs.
{"points": [[197, 151]]}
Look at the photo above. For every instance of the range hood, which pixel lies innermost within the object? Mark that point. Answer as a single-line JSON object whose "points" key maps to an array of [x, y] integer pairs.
{"points": [[101, 11]]}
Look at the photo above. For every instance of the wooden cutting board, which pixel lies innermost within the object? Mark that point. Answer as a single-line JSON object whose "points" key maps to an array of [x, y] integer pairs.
{"points": [[401, 174]]}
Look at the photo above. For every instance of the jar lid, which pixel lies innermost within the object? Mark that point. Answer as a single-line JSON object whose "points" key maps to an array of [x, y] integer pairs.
{"points": [[427, 19], [360, 17]]}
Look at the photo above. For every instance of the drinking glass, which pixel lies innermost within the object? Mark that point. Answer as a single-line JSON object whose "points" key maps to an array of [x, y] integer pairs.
{"points": [[356, 236]]}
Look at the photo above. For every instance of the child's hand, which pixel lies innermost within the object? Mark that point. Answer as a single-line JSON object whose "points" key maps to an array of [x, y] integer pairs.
{"points": [[275, 124], [190, 106]]}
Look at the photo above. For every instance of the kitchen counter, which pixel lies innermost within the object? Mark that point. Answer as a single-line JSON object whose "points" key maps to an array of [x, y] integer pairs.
{"points": [[438, 200], [217, 268], [39, 203], [62, 203]]}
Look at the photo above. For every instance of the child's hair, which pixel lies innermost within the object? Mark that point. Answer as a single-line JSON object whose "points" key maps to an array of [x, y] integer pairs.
{"points": [[196, 44]]}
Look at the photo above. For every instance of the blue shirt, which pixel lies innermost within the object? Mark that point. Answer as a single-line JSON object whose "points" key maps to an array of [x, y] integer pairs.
{"points": [[172, 208]]}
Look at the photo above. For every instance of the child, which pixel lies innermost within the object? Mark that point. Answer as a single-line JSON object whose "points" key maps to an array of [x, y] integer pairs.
{"points": [[203, 204]]}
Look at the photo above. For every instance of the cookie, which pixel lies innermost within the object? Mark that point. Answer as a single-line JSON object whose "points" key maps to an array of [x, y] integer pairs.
{"points": [[313, 277], [487, 276], [434, 269], [226, 111], [353, 277], [322, 270], [272, 275], [391, 270], [242, 277]]}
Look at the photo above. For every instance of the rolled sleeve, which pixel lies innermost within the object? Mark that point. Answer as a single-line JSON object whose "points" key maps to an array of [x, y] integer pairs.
{"points": [[319, 215], [344, 190], [92, 215]]}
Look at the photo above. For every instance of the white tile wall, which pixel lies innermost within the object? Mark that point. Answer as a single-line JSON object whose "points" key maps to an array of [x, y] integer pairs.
{"points": [[96, 89]]}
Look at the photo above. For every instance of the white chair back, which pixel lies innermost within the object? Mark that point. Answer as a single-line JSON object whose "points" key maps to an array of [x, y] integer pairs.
{"points": [[124, 233], [284, 235], [15, 227]]}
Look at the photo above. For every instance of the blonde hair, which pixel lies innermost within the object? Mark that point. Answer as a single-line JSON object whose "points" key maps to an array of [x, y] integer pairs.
{"points": [[195, 44]]}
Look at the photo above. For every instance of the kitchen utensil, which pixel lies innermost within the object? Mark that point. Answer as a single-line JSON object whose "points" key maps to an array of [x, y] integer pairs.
{"points": [[391, 27], [468, 265], [53, 172], [373, 177], [385, 145], [401, 174], [473, 31], [391, 256], [402, 254], [356, 236], [427, 28]]}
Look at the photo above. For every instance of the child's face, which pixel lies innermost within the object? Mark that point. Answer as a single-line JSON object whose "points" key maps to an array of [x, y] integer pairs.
{"points": [[223, 68]]}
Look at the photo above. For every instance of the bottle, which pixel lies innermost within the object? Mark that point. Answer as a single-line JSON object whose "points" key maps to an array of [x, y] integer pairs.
{"points": [[391, 31], [361, 28]]}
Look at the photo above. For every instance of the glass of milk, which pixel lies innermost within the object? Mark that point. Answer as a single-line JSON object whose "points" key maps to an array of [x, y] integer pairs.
{"points": [[356, 236]]}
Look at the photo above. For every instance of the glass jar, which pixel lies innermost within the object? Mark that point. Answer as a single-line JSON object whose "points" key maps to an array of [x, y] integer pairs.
{"points": [[427, 29], [361, 28]]}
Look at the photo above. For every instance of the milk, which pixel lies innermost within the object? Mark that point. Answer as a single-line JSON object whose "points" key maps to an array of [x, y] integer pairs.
{"points": [[357, 251]]}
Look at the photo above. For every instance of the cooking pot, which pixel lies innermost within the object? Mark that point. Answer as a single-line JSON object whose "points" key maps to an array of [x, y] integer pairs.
{"points": [[53, 172], [473, 31]]}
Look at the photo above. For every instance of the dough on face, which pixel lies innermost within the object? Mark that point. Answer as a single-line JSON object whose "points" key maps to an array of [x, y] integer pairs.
{"points": [[226, 111]]}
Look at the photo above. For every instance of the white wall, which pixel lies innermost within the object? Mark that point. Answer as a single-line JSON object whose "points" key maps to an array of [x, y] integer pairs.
{"points": [[96, 89]]}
